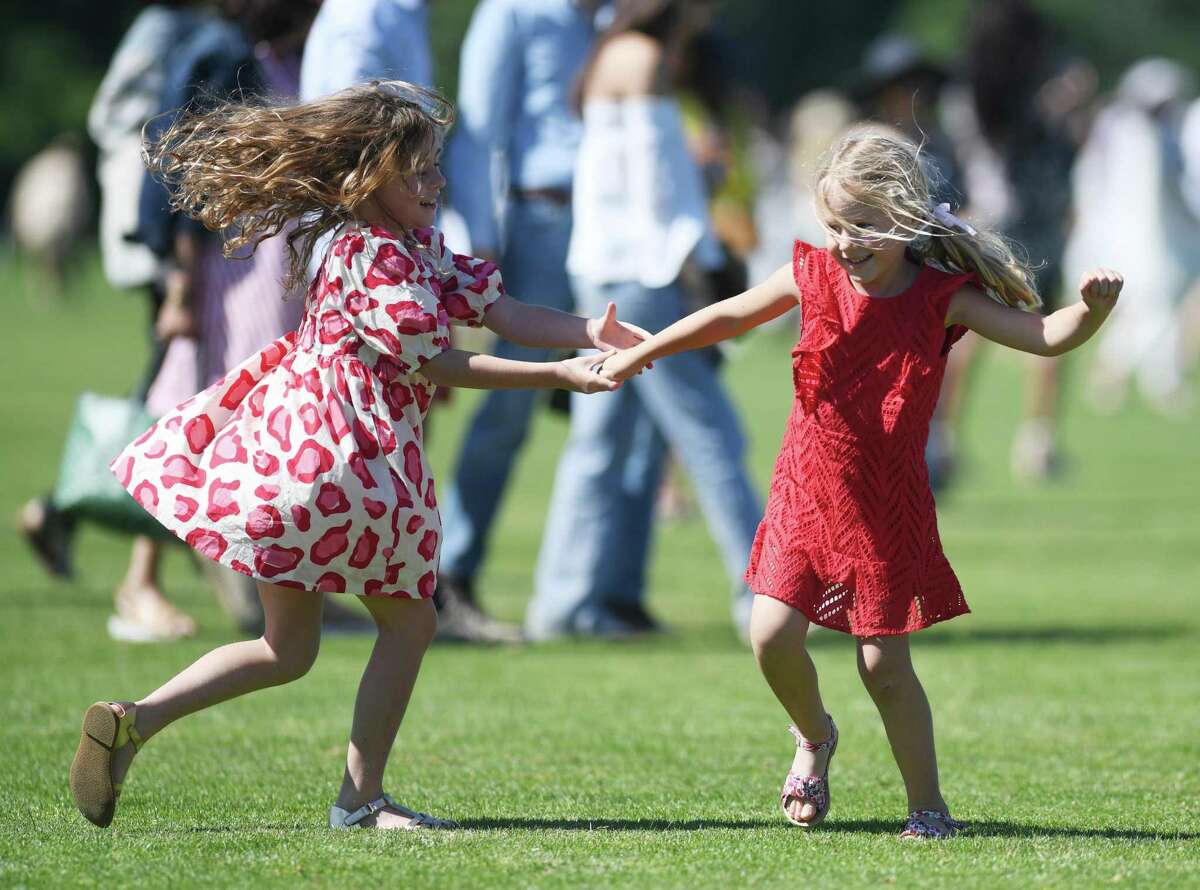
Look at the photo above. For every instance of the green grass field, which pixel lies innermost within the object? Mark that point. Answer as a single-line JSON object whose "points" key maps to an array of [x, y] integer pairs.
{"points": [[1067, 705]]}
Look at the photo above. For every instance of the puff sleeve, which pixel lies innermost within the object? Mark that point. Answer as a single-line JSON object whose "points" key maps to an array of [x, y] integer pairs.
{"points": [[386, 303], [469, 285]]}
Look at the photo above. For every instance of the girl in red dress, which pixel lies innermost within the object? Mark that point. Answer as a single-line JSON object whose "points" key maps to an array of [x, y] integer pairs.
{"points": [[304, 466], [850, 538]]}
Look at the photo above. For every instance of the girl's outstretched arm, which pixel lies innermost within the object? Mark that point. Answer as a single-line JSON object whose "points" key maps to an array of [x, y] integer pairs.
{"points": [[1052, 334], [455, 367], [529, 325], [712, 324]]}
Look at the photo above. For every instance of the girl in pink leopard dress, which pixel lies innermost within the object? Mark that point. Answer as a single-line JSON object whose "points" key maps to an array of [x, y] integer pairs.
{"points": [[304, 467]]}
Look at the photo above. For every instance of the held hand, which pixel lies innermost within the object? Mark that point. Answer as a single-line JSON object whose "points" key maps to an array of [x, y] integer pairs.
{"points": [[1100, 289], [606, 332], [578, 373], [621, 366]]}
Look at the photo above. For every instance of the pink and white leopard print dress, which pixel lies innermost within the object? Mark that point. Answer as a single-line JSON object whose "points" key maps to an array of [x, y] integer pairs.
{"points": [[303, 466]]}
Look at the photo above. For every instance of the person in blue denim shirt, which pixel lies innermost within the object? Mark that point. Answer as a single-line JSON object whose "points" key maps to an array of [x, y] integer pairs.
{"points": [[355, 41], [519, 62]]}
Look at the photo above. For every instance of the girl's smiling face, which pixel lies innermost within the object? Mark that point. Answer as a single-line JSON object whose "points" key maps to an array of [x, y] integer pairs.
{"points": [[409, 200], [876, 266]]}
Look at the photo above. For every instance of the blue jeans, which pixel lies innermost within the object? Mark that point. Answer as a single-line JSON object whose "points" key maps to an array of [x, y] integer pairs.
{"points": [[596, 544], [534, 269]]}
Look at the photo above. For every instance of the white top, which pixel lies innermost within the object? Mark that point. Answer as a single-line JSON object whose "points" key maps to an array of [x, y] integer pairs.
{"points": [[640, 208]]}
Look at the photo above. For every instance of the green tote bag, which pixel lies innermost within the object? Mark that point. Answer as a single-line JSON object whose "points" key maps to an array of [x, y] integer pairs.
{"points": [[100, 429]]}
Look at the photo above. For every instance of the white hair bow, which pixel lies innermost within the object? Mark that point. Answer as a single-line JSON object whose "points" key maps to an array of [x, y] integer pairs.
{"points": [[942, 214]]}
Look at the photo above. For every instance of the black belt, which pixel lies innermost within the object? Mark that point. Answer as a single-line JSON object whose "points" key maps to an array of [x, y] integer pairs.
{"points": [[558, 196]]}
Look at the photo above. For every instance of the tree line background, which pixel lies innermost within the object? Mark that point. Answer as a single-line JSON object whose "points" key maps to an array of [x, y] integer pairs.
{"points": [[54, 52]]}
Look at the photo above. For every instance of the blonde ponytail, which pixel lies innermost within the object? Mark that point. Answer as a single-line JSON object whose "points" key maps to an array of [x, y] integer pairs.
{"points": [[988, 257]]}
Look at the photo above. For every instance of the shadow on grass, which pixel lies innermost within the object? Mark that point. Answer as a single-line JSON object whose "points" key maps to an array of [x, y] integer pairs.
{"points": [[851, 826], [1065, 634], [616, 824], [988, 828]]}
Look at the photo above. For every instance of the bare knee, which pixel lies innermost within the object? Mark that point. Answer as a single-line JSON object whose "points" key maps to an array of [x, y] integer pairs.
{"points": [[884, 670], [290, 658], [777, 632], [771, 644], [411, 623]]}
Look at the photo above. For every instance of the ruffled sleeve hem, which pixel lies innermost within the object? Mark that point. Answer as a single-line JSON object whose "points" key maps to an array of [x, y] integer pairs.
{"points": [[469, 286]]}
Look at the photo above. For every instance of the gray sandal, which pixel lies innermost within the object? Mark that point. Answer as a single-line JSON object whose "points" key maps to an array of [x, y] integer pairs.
{"points": [[340, 818]]}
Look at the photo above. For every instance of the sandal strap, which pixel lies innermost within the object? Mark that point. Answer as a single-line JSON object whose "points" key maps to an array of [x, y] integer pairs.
{"points": [[126, 732], [814, 789], [802, 742], [340, 818], [419, 820], [944, 826], [347, 819]]}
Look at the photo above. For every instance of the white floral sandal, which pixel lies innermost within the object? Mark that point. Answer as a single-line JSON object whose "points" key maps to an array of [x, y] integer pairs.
{"points": [[810, 789], [932, 825], [340, 818]]}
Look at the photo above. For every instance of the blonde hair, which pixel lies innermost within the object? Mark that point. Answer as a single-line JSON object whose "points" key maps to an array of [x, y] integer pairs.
{"points": [[880, 168], [250, 171]]}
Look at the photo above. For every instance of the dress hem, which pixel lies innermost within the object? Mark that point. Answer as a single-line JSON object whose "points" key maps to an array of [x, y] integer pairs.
{"points": [[857, 632], [283, 579]]}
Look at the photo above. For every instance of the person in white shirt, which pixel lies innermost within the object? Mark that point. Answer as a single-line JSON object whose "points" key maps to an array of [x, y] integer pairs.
{"points": [[640, 214]]}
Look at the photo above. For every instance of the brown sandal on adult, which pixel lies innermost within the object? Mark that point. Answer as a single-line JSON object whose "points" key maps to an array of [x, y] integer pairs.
{"points": [[105, 731]]}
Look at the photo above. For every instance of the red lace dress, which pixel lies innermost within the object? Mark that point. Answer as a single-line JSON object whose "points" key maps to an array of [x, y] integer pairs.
{"points": [[850, 536]]}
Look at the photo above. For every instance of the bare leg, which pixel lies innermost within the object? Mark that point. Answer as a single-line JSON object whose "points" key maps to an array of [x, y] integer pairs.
{"points": [[956, 383], [941, 451], [1035, 448], [406, 628], [139, 601], [1188, 319], [885, 665], [284, 653], [777, 635]]}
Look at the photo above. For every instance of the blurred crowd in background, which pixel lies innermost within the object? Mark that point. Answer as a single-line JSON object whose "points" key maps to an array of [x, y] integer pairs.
{"points": [[622, 151]]}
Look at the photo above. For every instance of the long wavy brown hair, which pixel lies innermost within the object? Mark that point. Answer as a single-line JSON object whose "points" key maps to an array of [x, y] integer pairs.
{"points": [[251, 171]]}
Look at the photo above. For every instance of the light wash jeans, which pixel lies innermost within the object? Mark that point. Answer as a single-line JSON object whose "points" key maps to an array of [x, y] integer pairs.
{"points": [[534, 269], [596, 544]]}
